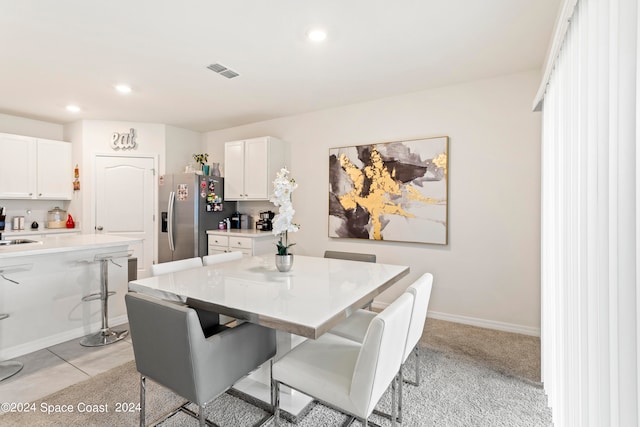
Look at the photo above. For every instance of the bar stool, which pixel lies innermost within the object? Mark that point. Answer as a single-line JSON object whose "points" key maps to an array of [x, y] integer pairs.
{"points": [[106, 335], [9, 368]]}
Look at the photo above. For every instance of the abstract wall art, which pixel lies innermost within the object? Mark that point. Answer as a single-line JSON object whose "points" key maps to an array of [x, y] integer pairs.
{"points": [[393, 191]]}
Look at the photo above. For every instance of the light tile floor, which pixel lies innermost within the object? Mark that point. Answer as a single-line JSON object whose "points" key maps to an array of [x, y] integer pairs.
{"points": [[54, 368]]}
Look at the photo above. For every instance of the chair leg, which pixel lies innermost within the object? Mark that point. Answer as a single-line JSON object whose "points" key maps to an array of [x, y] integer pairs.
{"points": [[417, 352], [394, 409], [201, 418], [272, 384], [143, 387], [397, 382], [275, 397], [400, 381]]}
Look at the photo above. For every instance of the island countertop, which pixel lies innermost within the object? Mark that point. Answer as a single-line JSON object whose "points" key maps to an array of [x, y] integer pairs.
{"points": [[64, 243]]}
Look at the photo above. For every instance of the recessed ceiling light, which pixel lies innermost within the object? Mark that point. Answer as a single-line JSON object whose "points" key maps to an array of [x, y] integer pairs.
{"points": [[123, 88], [73, 108], [317, 35]]}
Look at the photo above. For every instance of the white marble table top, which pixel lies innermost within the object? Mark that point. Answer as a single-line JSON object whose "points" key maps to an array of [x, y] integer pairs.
{"points": [[309, 300]]}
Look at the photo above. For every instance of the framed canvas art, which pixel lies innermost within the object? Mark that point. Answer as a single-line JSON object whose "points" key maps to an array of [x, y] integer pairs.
{"points": [[393, 191]]}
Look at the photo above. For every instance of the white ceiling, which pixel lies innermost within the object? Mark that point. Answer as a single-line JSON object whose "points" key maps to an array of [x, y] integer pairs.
{"points": [[54, 53]]}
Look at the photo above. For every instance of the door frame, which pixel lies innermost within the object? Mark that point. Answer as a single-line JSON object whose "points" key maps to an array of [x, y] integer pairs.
{"points": [[94, 192]]}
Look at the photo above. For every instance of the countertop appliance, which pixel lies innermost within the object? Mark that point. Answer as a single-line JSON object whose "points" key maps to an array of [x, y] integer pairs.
{"points": [[238, 219], [190, 205], [265, 222]]}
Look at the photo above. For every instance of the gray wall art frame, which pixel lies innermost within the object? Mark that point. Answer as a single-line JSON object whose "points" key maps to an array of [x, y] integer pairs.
{"points": [[392, 191]]}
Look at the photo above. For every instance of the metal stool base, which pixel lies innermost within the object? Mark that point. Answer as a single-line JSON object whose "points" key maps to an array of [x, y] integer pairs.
{"points": [[104, 337], [9, 369]]}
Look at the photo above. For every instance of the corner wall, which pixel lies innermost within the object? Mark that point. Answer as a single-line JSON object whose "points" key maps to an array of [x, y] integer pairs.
{"points": [[489, 273], [29, 127]]}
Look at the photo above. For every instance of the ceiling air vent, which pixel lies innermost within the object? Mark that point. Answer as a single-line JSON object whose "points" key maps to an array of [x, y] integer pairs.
{"points": [[229, 74], [223, 71]]}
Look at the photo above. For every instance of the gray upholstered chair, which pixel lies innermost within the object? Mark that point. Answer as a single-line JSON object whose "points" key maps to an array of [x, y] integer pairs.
{"points": [[345, 374], [355, 327], [221, 257], [170, 348], [352, 256]]}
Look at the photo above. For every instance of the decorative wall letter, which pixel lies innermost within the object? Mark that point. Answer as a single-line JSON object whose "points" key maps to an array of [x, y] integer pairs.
{"points": [[124, 141]]}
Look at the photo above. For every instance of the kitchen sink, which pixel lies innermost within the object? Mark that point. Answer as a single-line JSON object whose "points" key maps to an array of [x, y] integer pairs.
{"points": [[17, 242]]}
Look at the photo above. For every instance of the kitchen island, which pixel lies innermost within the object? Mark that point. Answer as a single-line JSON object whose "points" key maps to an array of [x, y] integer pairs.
{"points": [[42, 285]]}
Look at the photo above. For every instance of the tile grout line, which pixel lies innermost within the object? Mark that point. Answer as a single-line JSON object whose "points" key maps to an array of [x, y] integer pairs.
{"points": [[67, 362]]}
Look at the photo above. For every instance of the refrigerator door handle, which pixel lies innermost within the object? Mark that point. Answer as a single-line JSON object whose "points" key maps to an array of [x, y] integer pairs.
{"points": [[170, 209]]}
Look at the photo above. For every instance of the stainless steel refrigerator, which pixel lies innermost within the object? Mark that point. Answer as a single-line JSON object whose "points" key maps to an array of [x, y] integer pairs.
{"points": [[190, 205]]}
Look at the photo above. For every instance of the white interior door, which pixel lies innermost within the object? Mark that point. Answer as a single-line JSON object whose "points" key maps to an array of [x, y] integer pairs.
{"points": [[125, 203]]}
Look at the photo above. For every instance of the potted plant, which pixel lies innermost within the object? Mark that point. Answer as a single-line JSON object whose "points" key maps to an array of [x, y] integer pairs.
{"points": [[283, 186], [202, 159]]}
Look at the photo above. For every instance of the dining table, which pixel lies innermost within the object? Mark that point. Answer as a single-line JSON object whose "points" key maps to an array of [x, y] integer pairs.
{"points": [[302, 303]]}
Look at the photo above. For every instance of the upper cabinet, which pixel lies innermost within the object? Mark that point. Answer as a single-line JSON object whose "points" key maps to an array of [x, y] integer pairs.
{"points": [[34, 168], [250, 167], [55, 170], [18, 169]]}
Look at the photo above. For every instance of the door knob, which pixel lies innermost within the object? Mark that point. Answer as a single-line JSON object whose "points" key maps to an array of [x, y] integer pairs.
{"points": [[99, 228]]}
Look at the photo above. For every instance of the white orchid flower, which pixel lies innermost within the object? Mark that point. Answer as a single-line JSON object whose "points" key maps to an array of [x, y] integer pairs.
{"points": [[283, 187]]}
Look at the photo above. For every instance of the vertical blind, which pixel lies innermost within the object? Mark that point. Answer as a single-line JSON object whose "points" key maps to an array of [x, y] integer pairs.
{"points": [[590, 227]]}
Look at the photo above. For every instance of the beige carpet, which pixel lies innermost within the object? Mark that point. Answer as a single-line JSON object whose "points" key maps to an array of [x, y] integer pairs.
{"points": [[117, 388], [511, 354], [514, 355]]}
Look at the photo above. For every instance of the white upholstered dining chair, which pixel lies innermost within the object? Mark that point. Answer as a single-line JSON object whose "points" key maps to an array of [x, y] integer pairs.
{"points": [[355, 327], [170, 347], [345, 374], [221, 257], [173, 266], [352, 256], [207, 318], [214, 259]]}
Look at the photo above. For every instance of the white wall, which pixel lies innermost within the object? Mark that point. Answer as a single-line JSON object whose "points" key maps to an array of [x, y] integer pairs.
{"points": [[28, 127], [92, 137], [181, 145], [489, 273]]}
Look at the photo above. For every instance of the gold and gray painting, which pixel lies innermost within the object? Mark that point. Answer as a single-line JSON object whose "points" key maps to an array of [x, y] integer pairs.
{"points": [[394, 191]]}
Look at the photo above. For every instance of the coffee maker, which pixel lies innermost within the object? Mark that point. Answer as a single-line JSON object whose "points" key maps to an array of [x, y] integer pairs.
{"points": [[264, 223]]}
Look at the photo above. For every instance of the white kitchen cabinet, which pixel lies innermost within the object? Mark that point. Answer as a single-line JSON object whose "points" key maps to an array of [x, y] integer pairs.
{"points": [[54, 170], [217, 244], [18, 169], [35, 168], [249, 242], [250, 167]]}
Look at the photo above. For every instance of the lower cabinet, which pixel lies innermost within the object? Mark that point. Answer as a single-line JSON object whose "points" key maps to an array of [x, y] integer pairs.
{"points": [[248, 243]]}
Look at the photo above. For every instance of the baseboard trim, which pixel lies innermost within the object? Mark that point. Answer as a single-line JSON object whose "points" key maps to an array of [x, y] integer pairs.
{"points": [[488, 324], [474, 321], [51, 340]]}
